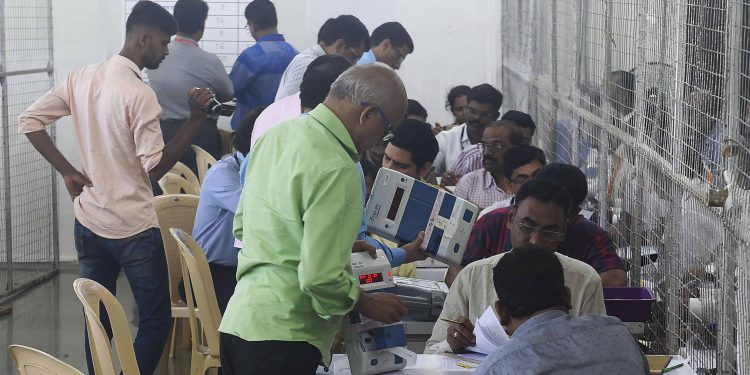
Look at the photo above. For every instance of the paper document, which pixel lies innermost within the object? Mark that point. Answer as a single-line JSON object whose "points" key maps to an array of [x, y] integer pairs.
{"points": [[489, 334]]}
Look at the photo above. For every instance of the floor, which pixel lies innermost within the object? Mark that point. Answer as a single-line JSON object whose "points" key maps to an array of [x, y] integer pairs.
{"points": [[49, 317]]}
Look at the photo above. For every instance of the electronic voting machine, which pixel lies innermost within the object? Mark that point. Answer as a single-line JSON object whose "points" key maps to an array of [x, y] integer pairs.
{"points": [[373, 347], [400, 207]]}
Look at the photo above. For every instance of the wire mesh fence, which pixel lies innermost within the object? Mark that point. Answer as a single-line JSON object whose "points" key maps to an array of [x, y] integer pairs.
{"points": [[651, 99], [28, 206]]}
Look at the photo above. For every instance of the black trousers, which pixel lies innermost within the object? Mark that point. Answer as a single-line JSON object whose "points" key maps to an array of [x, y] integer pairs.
{"points": [[225, 280], [240, 357]]}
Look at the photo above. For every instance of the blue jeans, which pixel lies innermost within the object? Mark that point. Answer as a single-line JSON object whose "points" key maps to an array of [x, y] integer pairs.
{"points": [[142, 258]]}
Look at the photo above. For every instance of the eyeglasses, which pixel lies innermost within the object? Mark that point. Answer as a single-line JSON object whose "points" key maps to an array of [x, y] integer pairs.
{"points": [[546, 234], [486, 115], [356, 55], [388, 132], [490, 146]]}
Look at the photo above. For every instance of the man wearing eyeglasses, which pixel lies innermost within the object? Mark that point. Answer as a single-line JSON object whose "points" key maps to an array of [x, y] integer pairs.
{"points": [[519, 167], [584, 240], [482, 110], [486, 186], [539, 217], [344, 35], [390, 43]]}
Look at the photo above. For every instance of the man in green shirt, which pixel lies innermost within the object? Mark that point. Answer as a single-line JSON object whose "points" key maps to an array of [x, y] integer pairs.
{"points": [[298, 216]]}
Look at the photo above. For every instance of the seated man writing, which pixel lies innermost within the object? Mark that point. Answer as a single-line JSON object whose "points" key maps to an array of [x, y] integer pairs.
{"points": [[538, 217], [533, 304], [583, 240]]}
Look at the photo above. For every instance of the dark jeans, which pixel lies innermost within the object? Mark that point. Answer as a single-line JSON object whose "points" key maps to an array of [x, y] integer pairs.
{"points": [[225, 280], [240, 357], [207, 138], [142, 258]]}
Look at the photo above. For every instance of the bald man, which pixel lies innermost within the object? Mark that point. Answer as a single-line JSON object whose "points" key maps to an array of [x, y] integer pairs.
{"points": [[297, 219]]}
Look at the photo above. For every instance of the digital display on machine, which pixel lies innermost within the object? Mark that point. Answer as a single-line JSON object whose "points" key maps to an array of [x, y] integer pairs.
{"points": [[395, 203], [370, 278]]}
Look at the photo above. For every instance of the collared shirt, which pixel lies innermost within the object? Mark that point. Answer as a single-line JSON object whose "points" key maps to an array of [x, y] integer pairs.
{"points": [[367, 58], [297, 220], [257, 72], [479, 187], [186, 66], [116, 123], [584, 240], [502, 204], [282, 110], [555, 342], [220, 193], [451, 143], [469, 160], [292, 78], [473, 291]]}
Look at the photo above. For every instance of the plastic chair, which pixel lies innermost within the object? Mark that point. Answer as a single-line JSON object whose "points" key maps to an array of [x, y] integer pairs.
{"points": [[185, 172], [197, 279], [30, 361], [226, 141], [204, 160], [175, 211], [93, 295], [172, 183]]}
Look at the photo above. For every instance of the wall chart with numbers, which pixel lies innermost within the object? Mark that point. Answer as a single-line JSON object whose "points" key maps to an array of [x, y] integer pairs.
{"points": [[225, 33]]}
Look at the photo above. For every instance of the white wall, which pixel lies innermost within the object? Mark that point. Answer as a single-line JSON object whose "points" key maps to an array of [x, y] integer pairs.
{"points": [[455, 43]]}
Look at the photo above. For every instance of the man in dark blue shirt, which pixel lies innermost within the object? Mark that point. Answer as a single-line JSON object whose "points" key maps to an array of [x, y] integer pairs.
{"points": [[257, 72]]}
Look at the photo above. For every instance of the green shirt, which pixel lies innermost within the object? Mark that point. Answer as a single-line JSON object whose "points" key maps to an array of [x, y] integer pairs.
{"points": [[298, 216]]}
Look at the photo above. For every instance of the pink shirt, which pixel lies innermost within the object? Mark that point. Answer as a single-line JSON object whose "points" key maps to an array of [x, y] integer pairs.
{"points": [[116, 123], [479, 187], [283, 109]]}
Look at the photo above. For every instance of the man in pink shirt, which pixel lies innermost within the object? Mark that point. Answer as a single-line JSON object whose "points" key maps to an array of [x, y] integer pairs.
{"points": [[116, 122]]}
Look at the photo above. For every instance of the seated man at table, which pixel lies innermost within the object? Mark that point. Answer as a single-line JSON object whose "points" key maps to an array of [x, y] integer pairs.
{"points": [[538, 217], [519, 167], [533, 304], [584, 240]]}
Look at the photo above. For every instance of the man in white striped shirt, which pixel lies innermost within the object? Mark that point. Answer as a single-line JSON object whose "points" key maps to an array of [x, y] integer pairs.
{"points": [[344, 35]]}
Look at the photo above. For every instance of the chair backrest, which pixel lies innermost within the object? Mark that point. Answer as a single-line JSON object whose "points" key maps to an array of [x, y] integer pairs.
{"points": [[92, 296], [175, 211], [226, 141], [185, 172], [30, 361], [197, 279], [172, 183], [204, 160]]}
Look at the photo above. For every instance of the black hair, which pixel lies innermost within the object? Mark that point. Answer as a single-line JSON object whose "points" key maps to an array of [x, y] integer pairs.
{"points": [[416, 137], [150, 14], [516, 137], [262, 14], [570, 177], [242, 136], [523, 119], [346, 27], [318, 78], [414, 108], [546, 191], [393, 31], [455, 93], [368, 168], [190, 15], [529, 279], [520, 156], [485, 93]]}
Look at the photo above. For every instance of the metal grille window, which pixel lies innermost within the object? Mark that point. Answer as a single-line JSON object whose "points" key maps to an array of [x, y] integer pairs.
{"points": [[651, 99], [28, 202]]}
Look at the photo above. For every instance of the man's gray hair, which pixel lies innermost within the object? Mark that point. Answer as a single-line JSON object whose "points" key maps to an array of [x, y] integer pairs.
{"points": [[366, 83]]}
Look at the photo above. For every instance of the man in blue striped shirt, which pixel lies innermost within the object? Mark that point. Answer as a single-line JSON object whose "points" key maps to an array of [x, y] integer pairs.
{"points": [[257, 72]]}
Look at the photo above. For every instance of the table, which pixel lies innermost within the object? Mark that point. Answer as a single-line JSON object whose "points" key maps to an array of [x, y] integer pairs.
{"points": [[427, 364]]}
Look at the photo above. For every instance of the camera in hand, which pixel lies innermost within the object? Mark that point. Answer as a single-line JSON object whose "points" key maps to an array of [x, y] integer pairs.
{"points": [[221, 109]]}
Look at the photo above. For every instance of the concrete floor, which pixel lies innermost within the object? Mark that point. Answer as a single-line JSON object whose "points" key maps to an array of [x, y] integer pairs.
{"points": [[49, 317]]}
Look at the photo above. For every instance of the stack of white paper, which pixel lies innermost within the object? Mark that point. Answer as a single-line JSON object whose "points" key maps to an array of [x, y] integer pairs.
{"points": [[489, 334]]}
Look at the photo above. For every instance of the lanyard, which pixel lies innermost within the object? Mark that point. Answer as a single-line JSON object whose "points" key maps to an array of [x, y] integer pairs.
{"points": [[185, 41]]}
